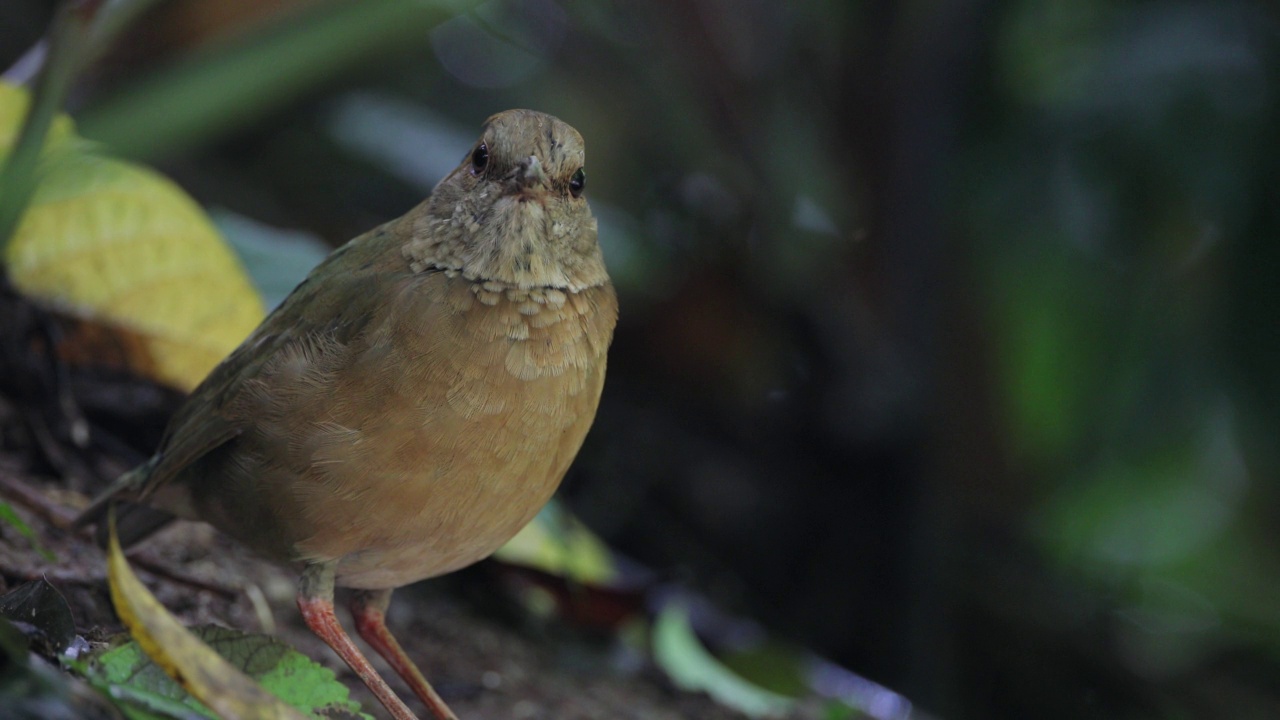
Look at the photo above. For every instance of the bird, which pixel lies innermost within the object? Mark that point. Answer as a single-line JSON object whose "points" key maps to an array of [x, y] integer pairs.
{"points": [[412, 403]]}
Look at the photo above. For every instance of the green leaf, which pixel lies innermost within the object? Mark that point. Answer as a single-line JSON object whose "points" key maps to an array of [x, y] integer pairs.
{"points": [[836, 710], [678, 651], [223, 679], [142, 689], [772, 665]]}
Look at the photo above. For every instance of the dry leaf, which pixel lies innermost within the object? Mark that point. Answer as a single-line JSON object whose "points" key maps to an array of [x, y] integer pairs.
{"points": [[203, 673]]}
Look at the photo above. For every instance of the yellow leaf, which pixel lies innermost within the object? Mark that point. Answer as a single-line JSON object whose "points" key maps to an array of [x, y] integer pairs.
{"points": [[119, 242], [203, 673]]}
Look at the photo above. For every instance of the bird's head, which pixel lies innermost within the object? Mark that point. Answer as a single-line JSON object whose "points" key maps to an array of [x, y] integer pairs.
{"points": [[514, 210]]}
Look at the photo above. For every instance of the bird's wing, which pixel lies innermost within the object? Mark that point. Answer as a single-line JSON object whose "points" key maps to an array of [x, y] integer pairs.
{"points": [[332, 303]]}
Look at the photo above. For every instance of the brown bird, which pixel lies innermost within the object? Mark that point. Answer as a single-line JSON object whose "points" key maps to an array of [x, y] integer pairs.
{"points": [[413, 403]]}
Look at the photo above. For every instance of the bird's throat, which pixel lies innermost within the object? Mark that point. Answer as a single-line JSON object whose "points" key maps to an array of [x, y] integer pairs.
{"points": [[523, 244]]}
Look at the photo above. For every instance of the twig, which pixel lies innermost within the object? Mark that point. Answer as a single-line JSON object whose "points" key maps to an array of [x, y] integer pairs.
{"points": [[55, 514], [160, 569]]}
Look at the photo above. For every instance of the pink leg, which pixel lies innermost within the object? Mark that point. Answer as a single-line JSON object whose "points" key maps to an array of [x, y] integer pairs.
{"points": [[369, 609], [315, 600]]}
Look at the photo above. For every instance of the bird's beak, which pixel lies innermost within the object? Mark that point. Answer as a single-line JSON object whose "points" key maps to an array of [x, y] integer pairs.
{"points": [[531, 175]]}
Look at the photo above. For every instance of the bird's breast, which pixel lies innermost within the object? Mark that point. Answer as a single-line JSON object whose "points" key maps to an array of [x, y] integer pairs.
{"points": [[451, 423]]}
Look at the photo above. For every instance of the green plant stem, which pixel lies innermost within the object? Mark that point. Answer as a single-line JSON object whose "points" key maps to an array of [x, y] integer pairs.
{"points": [[17, 178]]}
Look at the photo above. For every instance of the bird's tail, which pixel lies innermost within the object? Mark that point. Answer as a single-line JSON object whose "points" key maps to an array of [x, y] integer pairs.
{"points": [[134, 522]]}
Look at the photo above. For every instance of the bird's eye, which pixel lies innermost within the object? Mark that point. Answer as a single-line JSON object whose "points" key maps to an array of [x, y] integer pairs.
{"points": [[480, 158], [577, 183]]}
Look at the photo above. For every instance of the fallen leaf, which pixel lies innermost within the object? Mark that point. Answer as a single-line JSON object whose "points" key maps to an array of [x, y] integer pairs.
{"points": [[29, 688], [42, 614], [116, 241], [197, 668], [126, 672]]}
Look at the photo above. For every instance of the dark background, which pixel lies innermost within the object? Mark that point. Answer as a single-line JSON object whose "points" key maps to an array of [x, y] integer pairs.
{"points": [[949, 339]]}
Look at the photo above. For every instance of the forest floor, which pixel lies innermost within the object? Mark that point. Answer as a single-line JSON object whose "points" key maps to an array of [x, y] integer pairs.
{"points": [[485, 657]]}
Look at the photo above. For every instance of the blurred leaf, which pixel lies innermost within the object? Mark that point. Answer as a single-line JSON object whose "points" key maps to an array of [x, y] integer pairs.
{"points": [[772, 665], [277, 259], [1175, 535], [1050, 47], [215, 681], [221, 89], [9, 517], [837, 710], [558, 543], [1156, 507], [43, 614], [30, 689], [120, 242], [14, 104], [14, 645], [501, 43], [1061, 330], [677, 650]]}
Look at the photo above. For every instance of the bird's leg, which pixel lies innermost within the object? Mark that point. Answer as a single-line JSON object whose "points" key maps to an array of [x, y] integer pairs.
{"points": [[369, 608], [315, 600]]}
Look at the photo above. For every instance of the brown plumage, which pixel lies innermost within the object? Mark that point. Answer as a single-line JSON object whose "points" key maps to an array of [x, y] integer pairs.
{"points": [[415, 401]]}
